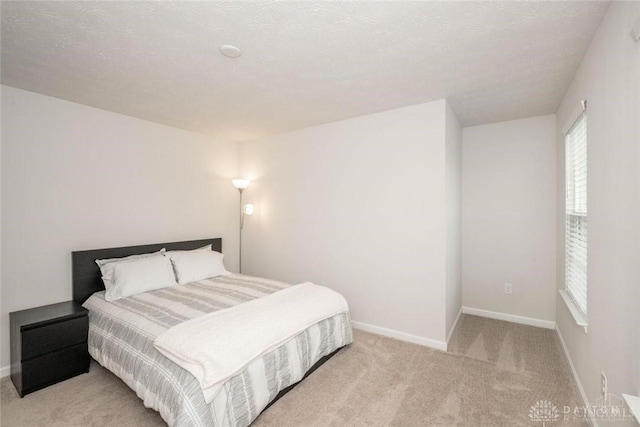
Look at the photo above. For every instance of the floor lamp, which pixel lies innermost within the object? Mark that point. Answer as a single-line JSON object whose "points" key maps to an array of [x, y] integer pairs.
{"points": [[241, 185]]}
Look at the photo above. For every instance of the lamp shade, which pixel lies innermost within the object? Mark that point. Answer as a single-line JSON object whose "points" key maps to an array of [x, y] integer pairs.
{"points": [[248, 209], [240, 184]]}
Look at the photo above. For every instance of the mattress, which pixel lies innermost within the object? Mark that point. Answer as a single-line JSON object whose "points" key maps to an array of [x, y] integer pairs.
{"points": [[121, 335]]}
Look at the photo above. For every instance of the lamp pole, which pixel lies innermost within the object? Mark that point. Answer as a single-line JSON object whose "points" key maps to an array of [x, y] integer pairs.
{"points": [[240, 240], [240, 184]]}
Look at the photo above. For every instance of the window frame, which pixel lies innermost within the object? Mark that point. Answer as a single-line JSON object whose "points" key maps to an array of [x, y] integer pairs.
{"points": [[575, 290]]}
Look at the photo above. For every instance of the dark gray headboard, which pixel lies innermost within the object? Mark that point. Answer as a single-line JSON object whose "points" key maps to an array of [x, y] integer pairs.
{"points": [[85, 272]]}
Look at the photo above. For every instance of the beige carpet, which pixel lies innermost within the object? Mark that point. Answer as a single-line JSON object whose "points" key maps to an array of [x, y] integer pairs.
{"points": [[493, 374]]}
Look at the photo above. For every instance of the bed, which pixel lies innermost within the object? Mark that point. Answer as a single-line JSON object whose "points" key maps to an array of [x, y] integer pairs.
{"points": [[122, 334]]}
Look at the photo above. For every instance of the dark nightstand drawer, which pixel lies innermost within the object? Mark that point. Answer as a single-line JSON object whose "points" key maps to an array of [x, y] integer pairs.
{"points": [[45, 339], [57, 366], [48, 345]]}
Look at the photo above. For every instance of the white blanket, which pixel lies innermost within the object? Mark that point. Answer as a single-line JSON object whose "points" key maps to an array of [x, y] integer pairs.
{"points": [[216, 346]]}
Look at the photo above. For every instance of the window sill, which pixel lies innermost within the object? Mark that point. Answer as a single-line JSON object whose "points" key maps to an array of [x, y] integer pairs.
{"points": [[575, 312]]}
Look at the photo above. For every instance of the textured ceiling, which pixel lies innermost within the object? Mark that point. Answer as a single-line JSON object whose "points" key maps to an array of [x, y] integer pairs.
{"points": [[303, 63]]}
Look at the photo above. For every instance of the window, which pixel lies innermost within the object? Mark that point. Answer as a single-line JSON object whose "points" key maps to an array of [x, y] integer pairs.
{"points": [[576, 213]]}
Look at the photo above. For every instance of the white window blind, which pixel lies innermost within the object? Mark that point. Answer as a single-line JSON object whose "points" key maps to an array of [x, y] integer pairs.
{"points": [[576, 212]]}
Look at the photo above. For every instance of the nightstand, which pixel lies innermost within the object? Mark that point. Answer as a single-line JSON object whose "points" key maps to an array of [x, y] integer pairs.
{"points": [[48, 345]]}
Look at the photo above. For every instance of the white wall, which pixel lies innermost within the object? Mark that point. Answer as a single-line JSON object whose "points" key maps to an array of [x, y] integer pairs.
{"points": [[453, 159], [359, 206], [3, 368], [75, 177], [609, 78], [508, 217]]}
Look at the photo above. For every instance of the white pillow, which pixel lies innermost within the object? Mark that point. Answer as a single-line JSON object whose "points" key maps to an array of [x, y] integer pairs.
{"points": [[135, 277], [107, 266], [204, 248], [102, 262], [191, 266]]}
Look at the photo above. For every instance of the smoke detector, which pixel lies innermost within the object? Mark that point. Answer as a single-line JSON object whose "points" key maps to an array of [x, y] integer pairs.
{"points": [[230, 51]]}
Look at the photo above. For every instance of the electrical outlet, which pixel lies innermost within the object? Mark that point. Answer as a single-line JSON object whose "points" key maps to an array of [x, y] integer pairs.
{"points": [[508, 288], [603, 383]]}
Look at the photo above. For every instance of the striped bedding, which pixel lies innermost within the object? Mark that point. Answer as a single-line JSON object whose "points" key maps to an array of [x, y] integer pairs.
{"points": [[121, 335]]}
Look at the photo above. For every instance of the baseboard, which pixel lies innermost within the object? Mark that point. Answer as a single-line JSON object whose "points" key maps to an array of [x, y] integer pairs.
{"points": [[583, 395], [402, 336], [453, 328], [5, 371], [547, 324]]}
